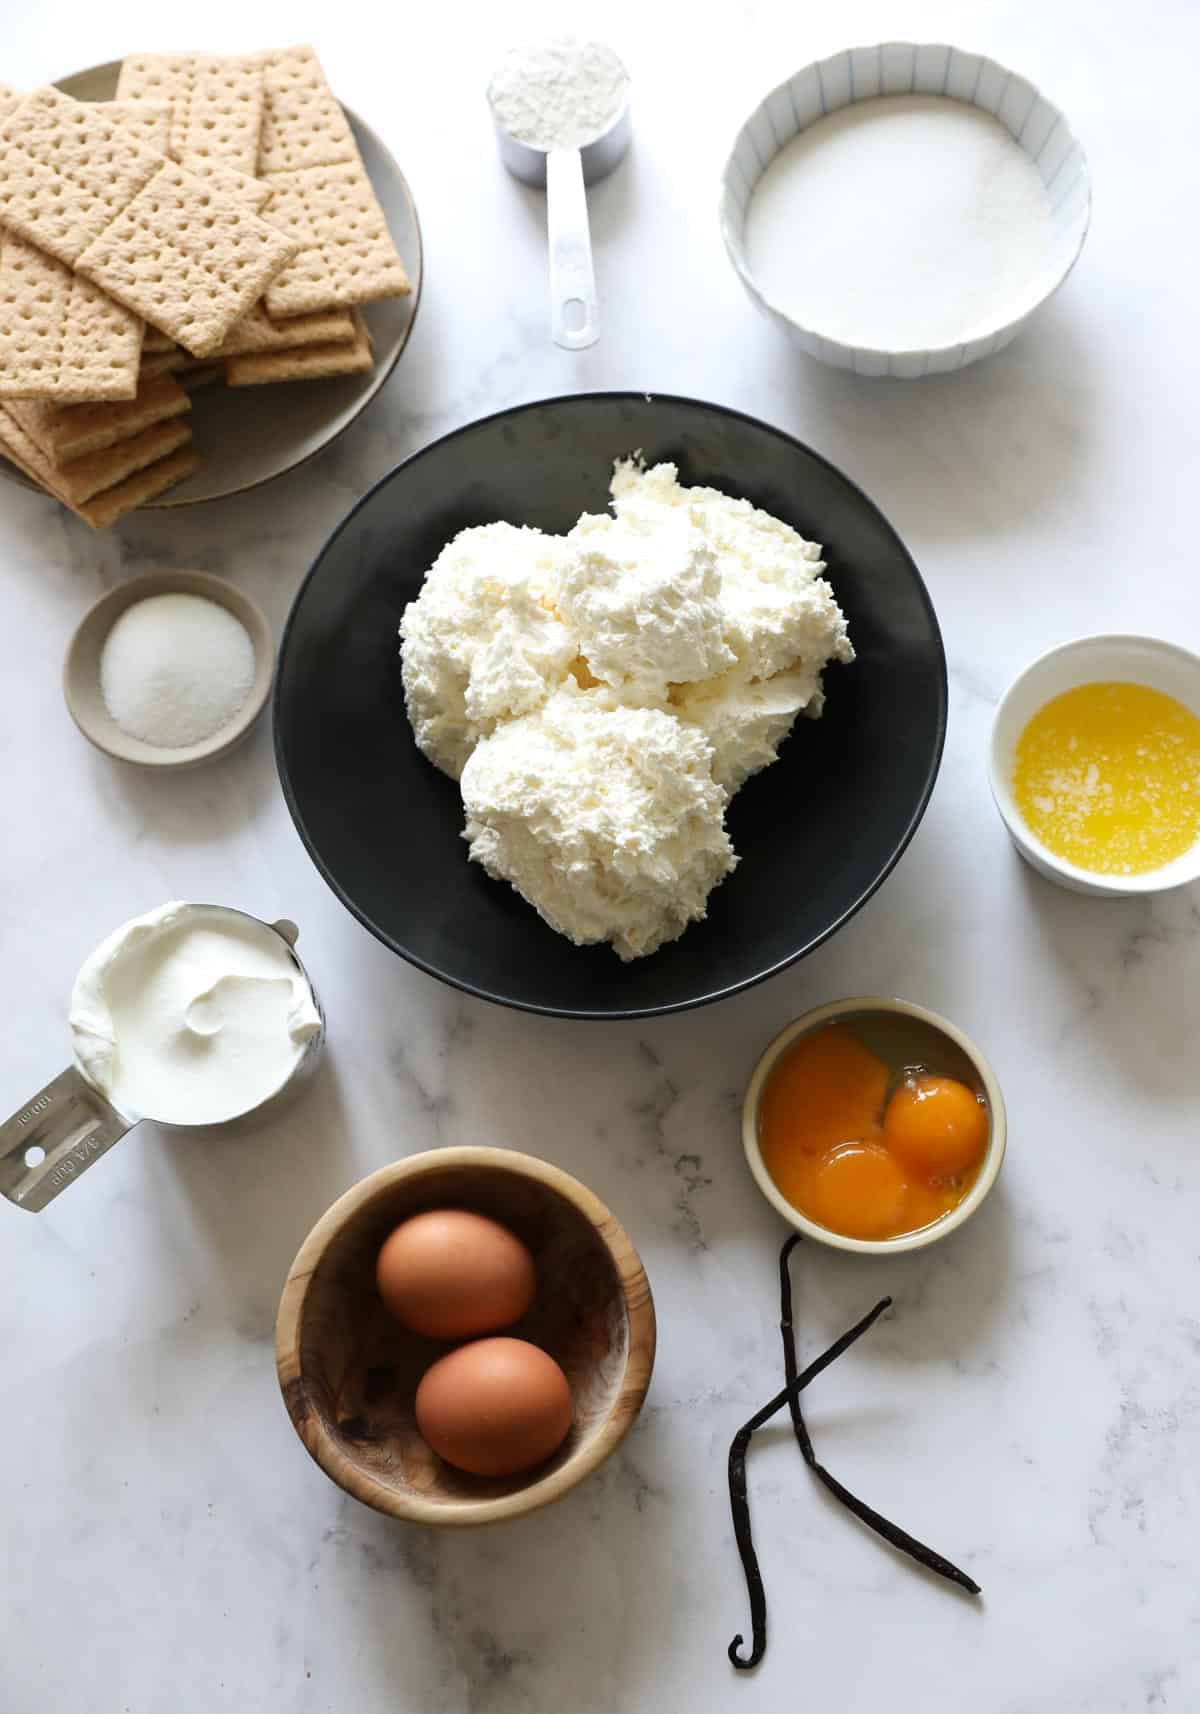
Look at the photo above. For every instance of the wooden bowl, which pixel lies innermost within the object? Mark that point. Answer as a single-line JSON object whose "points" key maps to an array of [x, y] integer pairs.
{"points": [[349, 1372]]}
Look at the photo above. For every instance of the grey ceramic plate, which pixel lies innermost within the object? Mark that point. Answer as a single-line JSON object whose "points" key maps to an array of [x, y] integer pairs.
{"points": [[260, 432]]}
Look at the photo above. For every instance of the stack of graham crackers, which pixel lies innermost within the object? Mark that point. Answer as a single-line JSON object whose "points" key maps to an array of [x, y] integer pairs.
{"points": [[214, 222]]}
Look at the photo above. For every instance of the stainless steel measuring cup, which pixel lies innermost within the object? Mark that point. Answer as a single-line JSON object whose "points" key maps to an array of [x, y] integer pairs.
{"points": [[54, 1138], [564, 174]]}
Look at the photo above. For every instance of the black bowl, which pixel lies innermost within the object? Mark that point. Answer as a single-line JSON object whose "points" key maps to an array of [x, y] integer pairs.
{"points": [[817, 832]]}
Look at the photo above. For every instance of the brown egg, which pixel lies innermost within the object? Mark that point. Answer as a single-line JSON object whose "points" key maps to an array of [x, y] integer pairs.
{"points": [[494, 1407], [450, 1274]]}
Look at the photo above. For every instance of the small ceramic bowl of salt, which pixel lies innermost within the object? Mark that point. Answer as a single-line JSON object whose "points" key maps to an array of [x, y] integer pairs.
{"points": [[169, 670], [904, 209]]}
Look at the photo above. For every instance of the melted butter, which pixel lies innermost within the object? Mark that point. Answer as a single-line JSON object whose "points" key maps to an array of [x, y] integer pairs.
{"points": [[1108, 777]]}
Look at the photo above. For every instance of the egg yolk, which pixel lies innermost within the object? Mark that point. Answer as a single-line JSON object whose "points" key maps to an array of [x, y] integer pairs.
{"points": [[936, 1126], [850, 1158], [860, 1190], [825, 1090]]}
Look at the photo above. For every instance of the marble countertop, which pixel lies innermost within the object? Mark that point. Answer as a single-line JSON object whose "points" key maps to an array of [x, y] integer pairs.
{"points": [[1032, 1403]]}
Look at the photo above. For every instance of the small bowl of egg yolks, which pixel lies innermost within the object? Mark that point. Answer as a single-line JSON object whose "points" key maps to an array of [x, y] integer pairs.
{"points": [[454, 1296], [874, 1125], [1095, 765]]}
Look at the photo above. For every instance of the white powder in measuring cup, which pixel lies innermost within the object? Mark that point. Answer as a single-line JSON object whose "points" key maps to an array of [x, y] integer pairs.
{"points": [[558, 94], [905, 222], [175, 669]]}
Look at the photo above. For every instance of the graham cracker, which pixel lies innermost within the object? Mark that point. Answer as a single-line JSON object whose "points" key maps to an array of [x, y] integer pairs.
{"points": [[346, 255], [61, 338], [201, 376], [216, 104], [304, 363], [303, 124], [322, 196], [253, 192], [183, 254], [66, 169], [149, 121], [187, 257], [148, 484], [257, 332], [113, 502], [85, 477], [66, 432], [25, 454], [160, 363], [72, 322]]}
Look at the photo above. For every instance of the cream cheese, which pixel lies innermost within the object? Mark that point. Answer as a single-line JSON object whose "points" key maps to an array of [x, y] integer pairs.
{"points": [[483, 642], [191, 1015], [777, 609], [602, 695], [643, 596], [607, 820], [744, 719]]}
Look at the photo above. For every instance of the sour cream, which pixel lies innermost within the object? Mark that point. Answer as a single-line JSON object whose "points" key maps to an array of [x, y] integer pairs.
{"points": [[191, 1015]]}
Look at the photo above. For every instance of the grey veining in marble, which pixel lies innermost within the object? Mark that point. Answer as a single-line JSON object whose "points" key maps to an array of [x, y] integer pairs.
{"points": [[1031, 1405]]}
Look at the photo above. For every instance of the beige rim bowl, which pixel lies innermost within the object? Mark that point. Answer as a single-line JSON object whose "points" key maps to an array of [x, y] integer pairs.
{"points": [[349, 1373], [81, 671], [874, 1004]]}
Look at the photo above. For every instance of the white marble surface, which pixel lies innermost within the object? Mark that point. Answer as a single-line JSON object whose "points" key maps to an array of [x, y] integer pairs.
{"points": [[1032, 1405]]}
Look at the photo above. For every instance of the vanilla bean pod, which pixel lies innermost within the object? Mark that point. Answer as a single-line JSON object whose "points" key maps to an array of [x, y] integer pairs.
{"points": [[739, 1502], [890, 1532]]}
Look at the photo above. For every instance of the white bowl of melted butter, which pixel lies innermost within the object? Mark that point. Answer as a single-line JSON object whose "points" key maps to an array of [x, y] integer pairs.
{"points": [[1094, 765]]}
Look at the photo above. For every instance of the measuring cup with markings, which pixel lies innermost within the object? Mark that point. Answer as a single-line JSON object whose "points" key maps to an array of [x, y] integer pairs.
{"points": [[198, 1017], [561, 110]]}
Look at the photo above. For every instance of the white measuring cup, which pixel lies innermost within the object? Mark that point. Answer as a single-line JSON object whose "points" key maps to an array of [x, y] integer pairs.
{"points": [[50, 1142], [564, 174]]}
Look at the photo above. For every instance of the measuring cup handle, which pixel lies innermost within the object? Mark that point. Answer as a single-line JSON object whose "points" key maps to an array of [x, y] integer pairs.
{"points": [[54, 1139], [574, 312]]}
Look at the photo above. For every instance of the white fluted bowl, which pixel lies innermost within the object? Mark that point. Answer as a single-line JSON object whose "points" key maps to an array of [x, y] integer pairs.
{"points": [[909, 68]]}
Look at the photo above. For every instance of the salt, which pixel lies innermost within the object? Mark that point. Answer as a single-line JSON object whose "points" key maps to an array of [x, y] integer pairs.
{"points": [[901, 223], [175, 669]]}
